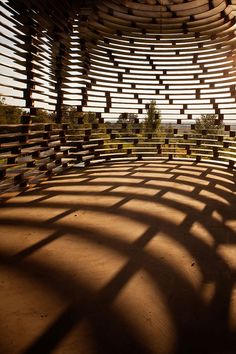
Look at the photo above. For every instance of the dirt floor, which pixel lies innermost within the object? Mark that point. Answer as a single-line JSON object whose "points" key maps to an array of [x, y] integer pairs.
{"points": [[122, 258]]}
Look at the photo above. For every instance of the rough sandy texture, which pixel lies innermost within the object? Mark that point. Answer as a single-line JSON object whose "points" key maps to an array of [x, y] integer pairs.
{"points": [[125, 258]]}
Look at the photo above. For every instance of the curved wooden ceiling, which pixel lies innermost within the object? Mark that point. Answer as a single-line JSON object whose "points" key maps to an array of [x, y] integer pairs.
{"points": [[181, 53], [162, 16], [111, 56]]}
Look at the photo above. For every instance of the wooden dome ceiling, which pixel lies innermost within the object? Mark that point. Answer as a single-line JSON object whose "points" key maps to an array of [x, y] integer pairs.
{"points": [[110, 56], [141, 16], [161, 16], [165, 48]]}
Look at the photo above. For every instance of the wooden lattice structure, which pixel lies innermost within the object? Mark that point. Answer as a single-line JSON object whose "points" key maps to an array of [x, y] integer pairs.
{"points": [[110, 57]]}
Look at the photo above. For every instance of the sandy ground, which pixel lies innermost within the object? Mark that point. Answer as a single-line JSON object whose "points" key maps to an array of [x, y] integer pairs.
{"points": [[125, 258]]}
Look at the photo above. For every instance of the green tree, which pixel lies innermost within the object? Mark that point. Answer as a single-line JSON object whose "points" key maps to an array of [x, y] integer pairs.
{"points": [[12, 115], [169, 130], [132, 117], [9, 114], [152, 121], [123, 118], [70, 114], [127, 118], [90, 117], [208, 124], [43, 116]]}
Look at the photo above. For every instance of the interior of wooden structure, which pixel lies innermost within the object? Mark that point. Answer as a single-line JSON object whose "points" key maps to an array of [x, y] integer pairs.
{"points": [[127, 244], [113, 57]]}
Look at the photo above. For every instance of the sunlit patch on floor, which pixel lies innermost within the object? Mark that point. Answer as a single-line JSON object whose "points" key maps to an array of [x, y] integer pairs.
{"points": [[155, 209], [185, 200]]}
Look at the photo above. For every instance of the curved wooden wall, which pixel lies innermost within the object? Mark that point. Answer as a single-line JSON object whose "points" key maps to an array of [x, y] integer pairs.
{"points": [[182, 54]]}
